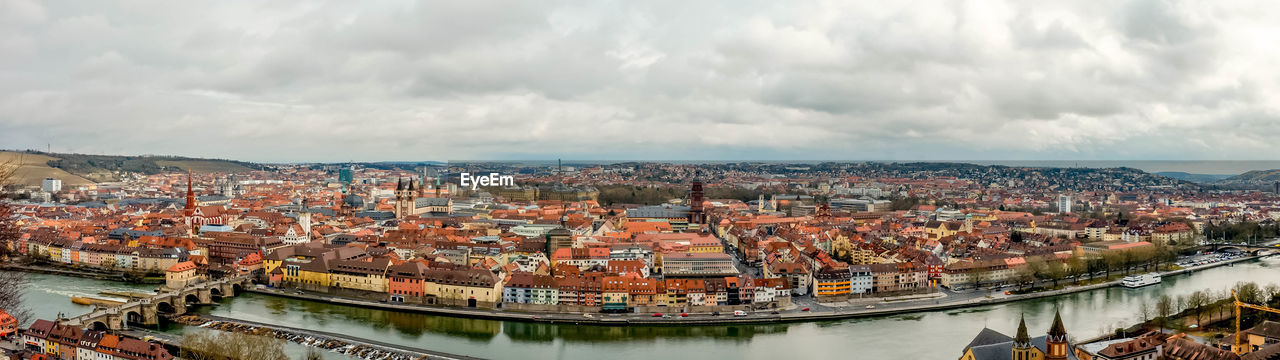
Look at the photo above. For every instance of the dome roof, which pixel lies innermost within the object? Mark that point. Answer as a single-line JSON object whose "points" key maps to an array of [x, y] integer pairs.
{"points": [[353, 201]]}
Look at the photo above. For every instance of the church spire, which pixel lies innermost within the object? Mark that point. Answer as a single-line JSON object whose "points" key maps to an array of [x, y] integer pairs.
{"points": [[1022, 340], [190, 207], [1058, 348], [1057, 331]]}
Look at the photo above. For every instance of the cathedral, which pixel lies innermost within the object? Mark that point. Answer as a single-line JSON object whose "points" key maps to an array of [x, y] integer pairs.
{"points": [[992, 345], [411, 200]]}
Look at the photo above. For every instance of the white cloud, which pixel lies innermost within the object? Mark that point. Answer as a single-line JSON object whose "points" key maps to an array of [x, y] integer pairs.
{"points": [[286, 81]]}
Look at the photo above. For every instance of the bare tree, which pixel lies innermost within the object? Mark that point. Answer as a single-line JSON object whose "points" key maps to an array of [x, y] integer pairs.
{"points": [[218, 345], [13, 284], [1145, 311], [314, 354], [1197, 302], [1164, 309]]}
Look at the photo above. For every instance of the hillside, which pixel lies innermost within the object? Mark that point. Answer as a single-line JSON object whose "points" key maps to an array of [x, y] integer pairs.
{"points": [[82, 168], [34, 168], [1256, 176], [1196, 178]]}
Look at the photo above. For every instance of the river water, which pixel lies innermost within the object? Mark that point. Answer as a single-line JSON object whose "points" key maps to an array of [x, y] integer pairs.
{"points": [[930, 335]]}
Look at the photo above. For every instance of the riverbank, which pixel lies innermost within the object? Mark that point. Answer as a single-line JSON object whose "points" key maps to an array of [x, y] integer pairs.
{"points": [[723, 319], [337, 343], [1085, 315], [109, 276]]}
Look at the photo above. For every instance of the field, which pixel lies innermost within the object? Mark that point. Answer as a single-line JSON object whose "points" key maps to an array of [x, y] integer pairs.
{"points": [[34, 167]]}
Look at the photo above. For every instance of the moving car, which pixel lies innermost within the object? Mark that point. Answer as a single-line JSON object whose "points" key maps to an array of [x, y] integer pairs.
{"points": [[739, 313], [657, 314]]}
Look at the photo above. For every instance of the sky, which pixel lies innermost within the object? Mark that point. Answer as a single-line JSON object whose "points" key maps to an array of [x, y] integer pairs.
{"points": [[283, 81]]}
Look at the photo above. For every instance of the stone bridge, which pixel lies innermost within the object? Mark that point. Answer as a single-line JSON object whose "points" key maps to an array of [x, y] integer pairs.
{"points": [[1256, 249], [172, 302]]}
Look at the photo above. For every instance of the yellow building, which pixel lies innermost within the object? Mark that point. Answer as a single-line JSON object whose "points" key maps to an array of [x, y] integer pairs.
{"points": [[941, 229], [181, 275], [1263, 335], [463, 287], [360, 275]]}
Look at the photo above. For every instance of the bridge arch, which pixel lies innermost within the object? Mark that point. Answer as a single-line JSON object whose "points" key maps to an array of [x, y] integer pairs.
{"points": [[133, 317], [215, 291], [192, 299], [236, 289], [164, 307], [100, 326]]}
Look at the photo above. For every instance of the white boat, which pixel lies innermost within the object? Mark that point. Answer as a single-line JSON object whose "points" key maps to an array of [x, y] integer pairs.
{"points": [[1137, 281]]}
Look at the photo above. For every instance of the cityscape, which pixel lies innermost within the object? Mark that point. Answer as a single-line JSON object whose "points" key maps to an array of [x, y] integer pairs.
{"points": [[643, 244], [974, 180]]}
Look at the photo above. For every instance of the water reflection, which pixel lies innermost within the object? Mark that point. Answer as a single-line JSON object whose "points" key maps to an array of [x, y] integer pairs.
{"points": [[1086, 315]]}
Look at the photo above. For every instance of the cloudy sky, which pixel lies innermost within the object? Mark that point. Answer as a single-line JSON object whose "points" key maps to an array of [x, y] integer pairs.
{"points": [[349, 80]]}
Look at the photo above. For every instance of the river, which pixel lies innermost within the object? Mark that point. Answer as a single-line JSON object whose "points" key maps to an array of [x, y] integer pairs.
{"points": [[929, 335]]}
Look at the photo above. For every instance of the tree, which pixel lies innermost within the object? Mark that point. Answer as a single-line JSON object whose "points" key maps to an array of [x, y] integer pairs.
{"points": [[1076, 267], [1164, 309], [217, 345], [314, 354], [1145, 311], [1114, 261], [1197, 302], [1057, 272], [13, 284]]}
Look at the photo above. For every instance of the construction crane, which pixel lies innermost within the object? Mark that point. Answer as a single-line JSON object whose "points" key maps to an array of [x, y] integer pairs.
{"points": [[1242, 344]]}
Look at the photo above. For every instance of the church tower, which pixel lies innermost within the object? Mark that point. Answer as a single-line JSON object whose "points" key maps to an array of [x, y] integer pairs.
{"points": [[1057, 341], [1022, 347], [404, 197], [190, 208]]}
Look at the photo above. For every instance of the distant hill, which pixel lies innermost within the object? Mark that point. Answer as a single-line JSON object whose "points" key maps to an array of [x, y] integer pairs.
{"points": [[34, 168], [1196, 178], [82, 168], [1256, 176]]}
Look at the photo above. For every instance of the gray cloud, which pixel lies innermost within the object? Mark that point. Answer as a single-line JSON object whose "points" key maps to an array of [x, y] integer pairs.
{"points": [[301, 81]]}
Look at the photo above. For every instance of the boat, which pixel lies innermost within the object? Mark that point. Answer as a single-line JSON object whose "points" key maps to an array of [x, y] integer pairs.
{"points": [[85, 300], [1137, 281]]}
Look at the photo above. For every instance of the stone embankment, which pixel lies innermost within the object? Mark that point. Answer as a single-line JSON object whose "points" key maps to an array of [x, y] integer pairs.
{"points": [[354, 347]]}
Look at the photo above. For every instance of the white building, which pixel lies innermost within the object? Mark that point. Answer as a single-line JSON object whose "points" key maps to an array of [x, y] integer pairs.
{"points": [[51, 185], [1064, 204], [860, 280]]}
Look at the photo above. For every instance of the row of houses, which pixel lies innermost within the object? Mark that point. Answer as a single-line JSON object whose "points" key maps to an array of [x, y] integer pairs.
{"points": [[629, 291], [619, 285], [54, 340], [127, 257]]}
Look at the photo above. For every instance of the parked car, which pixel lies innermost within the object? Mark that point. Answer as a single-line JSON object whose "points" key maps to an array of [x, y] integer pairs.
{"points": [[739, 313], [804, 309], [684, 314], [715, 313], [657, 314], [871, 306]]}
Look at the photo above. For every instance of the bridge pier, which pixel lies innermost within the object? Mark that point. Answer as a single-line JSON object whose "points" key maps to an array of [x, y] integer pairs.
{"points": [[115, 321], [150, 316], [205, 296]]}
